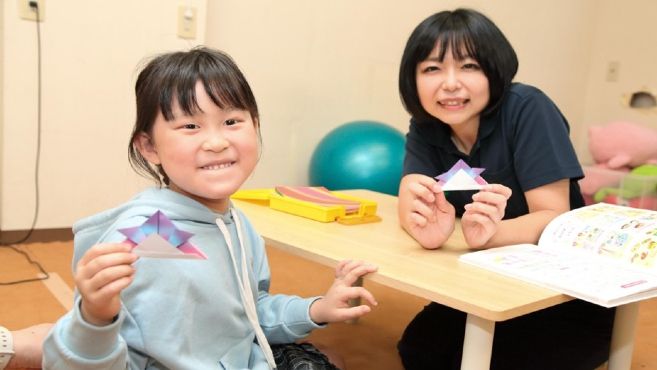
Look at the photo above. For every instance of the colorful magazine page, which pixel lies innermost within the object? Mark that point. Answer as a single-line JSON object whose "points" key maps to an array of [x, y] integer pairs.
{"points": [[158, 237], [461, 177], [603, 253]]}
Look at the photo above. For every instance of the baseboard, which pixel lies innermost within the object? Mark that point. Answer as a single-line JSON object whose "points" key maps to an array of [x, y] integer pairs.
{"points": [[37, 236]]}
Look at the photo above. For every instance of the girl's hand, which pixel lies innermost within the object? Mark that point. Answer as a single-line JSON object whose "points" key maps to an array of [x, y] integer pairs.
{"points": [[101, 274], [482, 217], [334, 306], [425, 212]]}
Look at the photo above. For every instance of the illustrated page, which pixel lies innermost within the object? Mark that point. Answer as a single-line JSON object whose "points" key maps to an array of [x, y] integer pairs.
{"points": [[620, 233]]}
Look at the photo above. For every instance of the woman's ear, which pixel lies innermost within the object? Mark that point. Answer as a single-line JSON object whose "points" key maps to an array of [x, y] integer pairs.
{"points": [[146, 148]]}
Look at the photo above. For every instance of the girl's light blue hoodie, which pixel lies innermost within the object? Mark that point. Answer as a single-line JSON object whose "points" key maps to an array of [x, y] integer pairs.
{"points": [[178, 314]]}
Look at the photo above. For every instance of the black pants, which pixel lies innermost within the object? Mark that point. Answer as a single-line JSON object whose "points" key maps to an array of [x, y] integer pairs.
{"points": [[571, 336], [300, 356]]}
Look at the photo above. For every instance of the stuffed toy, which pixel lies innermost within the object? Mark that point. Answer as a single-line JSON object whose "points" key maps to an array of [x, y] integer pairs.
{"points": [[616, 149], [622, 145]]}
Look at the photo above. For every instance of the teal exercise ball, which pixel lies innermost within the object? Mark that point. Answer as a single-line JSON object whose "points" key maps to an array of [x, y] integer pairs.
{"points": [[359, 155]]}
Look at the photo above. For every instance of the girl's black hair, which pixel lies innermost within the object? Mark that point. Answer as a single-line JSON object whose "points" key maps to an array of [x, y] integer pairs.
{"points": [[467, 33], [172, 77]]}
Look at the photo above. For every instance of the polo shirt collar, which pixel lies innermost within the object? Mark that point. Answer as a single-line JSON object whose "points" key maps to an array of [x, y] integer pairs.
{"points": [[444, 134]]}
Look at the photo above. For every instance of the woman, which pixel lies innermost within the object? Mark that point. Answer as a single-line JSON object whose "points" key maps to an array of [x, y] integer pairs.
{"points": [[456, 82]]}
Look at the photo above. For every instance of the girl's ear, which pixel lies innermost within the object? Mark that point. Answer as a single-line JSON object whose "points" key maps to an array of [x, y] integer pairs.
{"points": [[146, 148]]}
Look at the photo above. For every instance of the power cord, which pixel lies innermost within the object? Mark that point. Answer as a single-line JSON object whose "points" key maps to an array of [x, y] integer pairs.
{"points": [[44, 275], [35, 7]]}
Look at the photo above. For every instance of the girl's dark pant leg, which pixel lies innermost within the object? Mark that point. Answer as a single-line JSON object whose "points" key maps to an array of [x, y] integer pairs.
{"points": [[571, 336]]}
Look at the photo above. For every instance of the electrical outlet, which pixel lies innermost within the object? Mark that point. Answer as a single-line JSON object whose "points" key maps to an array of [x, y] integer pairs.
{"points": [[25, 11], [186, 22]]}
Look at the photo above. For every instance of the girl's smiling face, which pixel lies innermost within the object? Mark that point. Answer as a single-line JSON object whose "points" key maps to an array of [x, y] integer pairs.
{"points": [[453, 91], [206, 156]]}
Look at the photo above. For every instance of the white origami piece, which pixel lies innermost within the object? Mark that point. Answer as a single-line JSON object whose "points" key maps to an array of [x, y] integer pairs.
{"points": [[461, 177], [154, 246]]}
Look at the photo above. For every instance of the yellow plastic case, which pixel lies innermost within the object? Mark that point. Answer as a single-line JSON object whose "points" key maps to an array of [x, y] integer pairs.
{"points": [[366, 212]]}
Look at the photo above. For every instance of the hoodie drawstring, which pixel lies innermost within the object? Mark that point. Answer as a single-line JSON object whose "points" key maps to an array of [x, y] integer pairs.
{"points": [[245, 286]]}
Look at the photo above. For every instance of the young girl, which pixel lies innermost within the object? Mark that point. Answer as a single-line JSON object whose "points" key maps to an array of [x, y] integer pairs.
{"points": [[455, 81], [196, 132]]}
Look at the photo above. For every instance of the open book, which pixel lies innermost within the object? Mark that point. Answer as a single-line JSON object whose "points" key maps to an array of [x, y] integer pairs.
{"points": [[605, 254]]}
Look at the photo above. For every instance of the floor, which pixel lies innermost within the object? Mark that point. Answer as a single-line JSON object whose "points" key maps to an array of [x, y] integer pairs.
{"points": [[368, 344]]}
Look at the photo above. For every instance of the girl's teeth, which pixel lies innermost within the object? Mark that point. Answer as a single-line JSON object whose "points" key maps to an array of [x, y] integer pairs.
{"points": [[217, 166]]}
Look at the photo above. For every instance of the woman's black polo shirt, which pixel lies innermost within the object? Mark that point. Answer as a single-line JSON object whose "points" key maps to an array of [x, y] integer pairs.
{"points": [[524, 144]]}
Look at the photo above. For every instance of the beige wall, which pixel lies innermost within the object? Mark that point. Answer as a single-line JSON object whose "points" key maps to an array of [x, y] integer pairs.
{"points": [[312, 65], [624, 33], [90, 53], [315, 65], [2, 63]]}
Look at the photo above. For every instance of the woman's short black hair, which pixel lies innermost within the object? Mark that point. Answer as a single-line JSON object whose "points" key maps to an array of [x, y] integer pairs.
{"points": [[172, 77], [467, 33]]}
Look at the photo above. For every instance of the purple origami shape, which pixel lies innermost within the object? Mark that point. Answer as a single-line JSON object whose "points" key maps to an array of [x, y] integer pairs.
{"points": [[162, 226], [469, 177]]}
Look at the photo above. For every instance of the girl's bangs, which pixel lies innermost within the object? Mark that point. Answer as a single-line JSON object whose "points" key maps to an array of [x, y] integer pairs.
{"points": [[225, 89]]}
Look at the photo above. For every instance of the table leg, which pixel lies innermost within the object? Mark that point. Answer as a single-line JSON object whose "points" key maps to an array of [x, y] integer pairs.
{"points": [[478, 343], [622, 338]]}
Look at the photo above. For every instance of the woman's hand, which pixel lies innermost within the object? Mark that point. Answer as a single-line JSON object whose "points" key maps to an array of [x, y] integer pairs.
{"points": [[334, 306], [101, 274], [424, 212], [482, 217]]}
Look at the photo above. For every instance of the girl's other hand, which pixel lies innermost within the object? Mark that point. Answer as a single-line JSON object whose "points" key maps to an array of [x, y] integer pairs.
{"points": [[482, 217], [101, 274], [334, 306]]}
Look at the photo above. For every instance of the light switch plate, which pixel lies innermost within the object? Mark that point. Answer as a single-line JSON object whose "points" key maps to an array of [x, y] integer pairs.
{"points": [[187, 22]]}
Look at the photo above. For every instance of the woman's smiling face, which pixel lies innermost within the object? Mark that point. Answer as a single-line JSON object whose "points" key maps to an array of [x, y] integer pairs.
{"points": [[453, 91]]}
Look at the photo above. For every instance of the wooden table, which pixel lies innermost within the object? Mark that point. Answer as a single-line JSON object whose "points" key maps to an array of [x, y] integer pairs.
{"points": [[436, 275]]}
